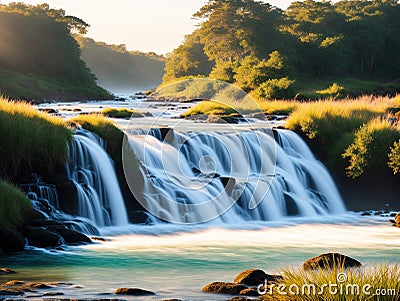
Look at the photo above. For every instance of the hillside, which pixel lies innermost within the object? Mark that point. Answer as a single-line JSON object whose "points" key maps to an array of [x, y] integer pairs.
{"points": [[120, 70], [39, 58]]}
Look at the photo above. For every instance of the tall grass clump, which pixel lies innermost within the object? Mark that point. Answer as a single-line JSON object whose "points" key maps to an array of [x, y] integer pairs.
{"points": [[376, 283], [371, 147], [105, 128], [14, 205], [30, 141]]}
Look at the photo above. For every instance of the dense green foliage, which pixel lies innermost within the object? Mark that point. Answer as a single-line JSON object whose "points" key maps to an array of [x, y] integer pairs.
{"points": [[121, 70], [13, 205], [253, 44], [40, 55], [370, 148], [30, 141]]}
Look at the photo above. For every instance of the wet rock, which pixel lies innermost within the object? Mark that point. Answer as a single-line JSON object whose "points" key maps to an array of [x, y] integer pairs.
{"points": [[5, 271], [54, 294], [133, 292], [197, 117], [240, 299], [42, 238], [70, 236], [330, 261], [46, 223], [224, 288], [251, 291], [366, 213], [40, 285], [11, 240], [10, 292], [14, 282], [255, 277], [97, 238]]}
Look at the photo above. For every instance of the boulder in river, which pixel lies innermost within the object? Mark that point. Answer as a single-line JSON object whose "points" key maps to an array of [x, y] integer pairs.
{"points": [[5, 271], [42, 238], [255, 277], [224, 288], [133, 292], [11, 240], [330, 261], [70, 236]]}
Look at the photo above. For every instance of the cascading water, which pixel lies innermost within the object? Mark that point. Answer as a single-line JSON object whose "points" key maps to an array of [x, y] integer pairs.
{"points": [[92, 171], [232, 177]]}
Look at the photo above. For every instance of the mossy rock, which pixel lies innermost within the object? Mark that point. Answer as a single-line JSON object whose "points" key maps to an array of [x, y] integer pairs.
{"points": [[331, 261], [224, 288]]}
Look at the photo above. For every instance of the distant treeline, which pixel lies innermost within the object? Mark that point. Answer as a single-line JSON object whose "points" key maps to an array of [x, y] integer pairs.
{"points": [[120, 70], [39, 58], [267, 50]]}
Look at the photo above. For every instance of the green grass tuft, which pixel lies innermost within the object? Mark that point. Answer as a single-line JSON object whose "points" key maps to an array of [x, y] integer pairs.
{"points": [[121, 113], [14, 205]]}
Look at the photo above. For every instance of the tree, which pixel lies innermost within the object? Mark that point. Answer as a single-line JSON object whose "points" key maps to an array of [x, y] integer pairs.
{"points": [[233, 29], [187, 60]]}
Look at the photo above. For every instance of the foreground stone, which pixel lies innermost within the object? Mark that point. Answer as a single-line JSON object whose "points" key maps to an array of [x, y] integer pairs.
{"points": [[330, 261], [11, 240], [224, 288], [255, 277], [5, 271], [133, 292], [43, 238]]}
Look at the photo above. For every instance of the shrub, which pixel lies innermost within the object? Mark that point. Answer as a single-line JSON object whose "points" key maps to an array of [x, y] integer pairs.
{"points": [[14, 205], [370, 147], [394, 157], [276, 89], [30, 140], [335, 90]]}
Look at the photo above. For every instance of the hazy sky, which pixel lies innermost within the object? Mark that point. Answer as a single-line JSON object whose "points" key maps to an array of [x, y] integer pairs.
{"points": [[145, 25]]}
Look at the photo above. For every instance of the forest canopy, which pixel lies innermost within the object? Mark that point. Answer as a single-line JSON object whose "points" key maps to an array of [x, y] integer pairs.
{"points": [[253, 44], [39, 56]]}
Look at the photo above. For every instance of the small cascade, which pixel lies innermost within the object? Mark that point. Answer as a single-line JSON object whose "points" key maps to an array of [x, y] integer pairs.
{"points": [[232, 177], [93, 174], [44, 198]]}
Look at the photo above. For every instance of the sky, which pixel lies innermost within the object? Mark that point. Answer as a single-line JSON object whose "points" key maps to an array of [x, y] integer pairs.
{"points": [[145, 25]]}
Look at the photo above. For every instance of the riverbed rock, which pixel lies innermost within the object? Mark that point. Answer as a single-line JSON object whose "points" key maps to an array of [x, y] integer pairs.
{"points": [[42, 238], [11, 240], [133, 292], [70, 236], [224, 288], [10, 292], [251, 291], [240, 299], [6, 271], [254, 277], [330, 261]]}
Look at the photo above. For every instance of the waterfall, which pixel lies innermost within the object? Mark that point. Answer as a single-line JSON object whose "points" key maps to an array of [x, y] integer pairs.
{"points": [[92, 171], [232, 177]]}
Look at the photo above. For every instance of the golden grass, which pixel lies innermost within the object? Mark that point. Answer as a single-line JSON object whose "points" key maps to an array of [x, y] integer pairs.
{"points": [[30, 140], [376, 283]]}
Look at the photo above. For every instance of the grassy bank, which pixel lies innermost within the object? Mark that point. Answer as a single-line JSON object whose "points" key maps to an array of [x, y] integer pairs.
{"points": [[39, 88], [31, 141]]}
